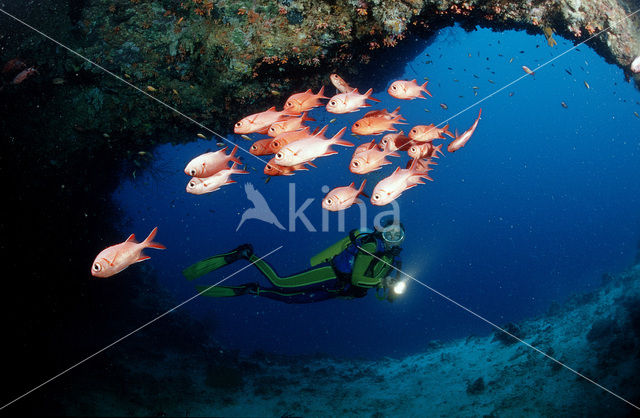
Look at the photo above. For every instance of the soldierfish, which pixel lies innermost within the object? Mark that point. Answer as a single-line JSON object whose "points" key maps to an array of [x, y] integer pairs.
{"points": [[340, 84], [118, 257], [261, 147], [301, 102], [390, 188], [211, 184], [349, 102], [427, 133], [384, 114], [310, 148], [408, 90], [260, 122], [635, 65], [23, 75], [206, 165], [461, 140], [13, 66], [274, 169], [288, 137], [288, 125], [374, 125], [342, 198], [424, 150], [395, 141], [370, 159]]}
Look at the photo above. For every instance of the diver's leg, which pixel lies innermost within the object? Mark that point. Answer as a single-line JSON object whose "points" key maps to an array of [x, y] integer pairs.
{"points": [[312, 277], [215, 262], [227, 291], [308, 295]]}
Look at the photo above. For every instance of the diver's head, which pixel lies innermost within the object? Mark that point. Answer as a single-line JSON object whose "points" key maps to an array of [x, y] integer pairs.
{"points": [[392, 232]]}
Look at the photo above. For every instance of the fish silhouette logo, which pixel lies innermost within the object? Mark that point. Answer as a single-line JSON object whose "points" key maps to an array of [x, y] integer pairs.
{"points": [[260, 209]]}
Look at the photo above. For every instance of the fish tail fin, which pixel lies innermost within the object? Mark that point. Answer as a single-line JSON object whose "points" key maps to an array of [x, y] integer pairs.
{"points": [[336, 139], [368, 94], [305, 117], [235, 170], [232, 156], [396, 114], [423, 88], [148, 242]]}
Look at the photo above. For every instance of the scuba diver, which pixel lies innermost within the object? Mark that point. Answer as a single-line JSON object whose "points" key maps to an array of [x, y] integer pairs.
{"points": [[347, 269]]}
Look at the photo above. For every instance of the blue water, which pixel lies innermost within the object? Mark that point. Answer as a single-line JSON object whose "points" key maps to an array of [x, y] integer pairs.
{"points": [[540, 203]]}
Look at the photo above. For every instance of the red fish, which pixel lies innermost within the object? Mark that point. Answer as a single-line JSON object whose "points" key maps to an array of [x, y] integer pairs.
{"points": [[374, 125], [342, 198], [260, 122], [424, 150], [408, 90], [461, 140], [13, 66], [288, 125], [302, 102], [384, 114], [394, 142], [427, 133], [261, 147], [340, 84], [288, 137], [114, 259], [310, 148], [349, 102], [390, 188], [211, 184], [206, 165], [274, 169], [366, 160], [23, 75]]}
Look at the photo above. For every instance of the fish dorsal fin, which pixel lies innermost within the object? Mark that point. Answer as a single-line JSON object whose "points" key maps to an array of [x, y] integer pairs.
{"points": [[352, 184], [271, 109], [132, 238]]}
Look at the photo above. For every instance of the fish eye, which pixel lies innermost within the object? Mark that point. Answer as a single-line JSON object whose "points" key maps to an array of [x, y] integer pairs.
{"points": [[332, 103], [279, 156], [376, 197], [357, 125], [253, 147], [275, 144], [289, 104], [414, 149], [239, 124], [328, 201], [192, 184], [192, 172], [393, 86], [355, 163], [97, 267]]}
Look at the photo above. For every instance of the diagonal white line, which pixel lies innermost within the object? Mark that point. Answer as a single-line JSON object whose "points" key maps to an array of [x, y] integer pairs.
{"points": [[136, 330], [499, 328], [168, 106]]}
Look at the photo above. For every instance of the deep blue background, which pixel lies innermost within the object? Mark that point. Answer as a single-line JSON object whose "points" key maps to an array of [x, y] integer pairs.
{"points": [[536, 207]]}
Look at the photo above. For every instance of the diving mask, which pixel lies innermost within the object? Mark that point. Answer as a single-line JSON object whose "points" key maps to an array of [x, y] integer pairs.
{"points": [[393, 234]]}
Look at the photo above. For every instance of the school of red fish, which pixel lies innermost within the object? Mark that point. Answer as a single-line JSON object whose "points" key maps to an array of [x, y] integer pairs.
{"points": [[295, 146]]}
